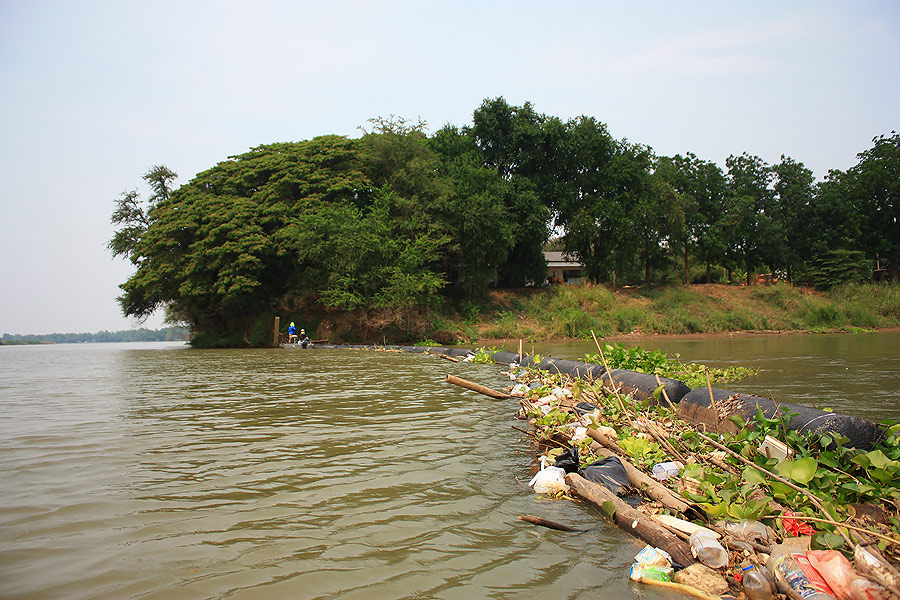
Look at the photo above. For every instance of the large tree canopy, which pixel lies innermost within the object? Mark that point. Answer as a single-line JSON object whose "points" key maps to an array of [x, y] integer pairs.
{"points": [[396, 218]]}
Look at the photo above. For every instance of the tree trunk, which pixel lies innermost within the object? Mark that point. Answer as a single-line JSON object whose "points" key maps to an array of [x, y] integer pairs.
{"points": [[708, 272], [647, 273], [634, 522], [687, 270]]}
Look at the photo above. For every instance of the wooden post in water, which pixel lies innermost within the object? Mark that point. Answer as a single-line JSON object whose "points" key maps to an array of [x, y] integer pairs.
{"points": [[275, 332]]}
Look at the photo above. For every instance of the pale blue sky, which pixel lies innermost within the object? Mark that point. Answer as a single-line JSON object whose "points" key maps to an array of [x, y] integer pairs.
{"points": [[92, 93]]}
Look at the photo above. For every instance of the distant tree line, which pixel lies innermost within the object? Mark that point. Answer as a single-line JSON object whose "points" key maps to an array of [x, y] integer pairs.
{"points": [[166, 334], [396, 219]]}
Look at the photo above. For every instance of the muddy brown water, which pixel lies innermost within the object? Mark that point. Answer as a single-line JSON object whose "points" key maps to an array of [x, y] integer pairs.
{"points": [[157, 471]]}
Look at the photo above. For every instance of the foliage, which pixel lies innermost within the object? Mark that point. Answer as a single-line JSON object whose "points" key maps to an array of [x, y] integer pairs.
{"points": [[485, 355], [166, 334], [395, 219], [838, 266], [657, 362]]}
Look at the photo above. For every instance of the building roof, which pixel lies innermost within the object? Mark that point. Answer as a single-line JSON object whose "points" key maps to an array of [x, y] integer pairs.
{"points": [[561, 259]]}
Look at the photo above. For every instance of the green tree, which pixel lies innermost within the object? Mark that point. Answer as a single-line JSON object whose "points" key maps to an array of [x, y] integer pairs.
{"points": [[750, 218], [873, 186], [132, 214], [793, 187], [700, 189]]}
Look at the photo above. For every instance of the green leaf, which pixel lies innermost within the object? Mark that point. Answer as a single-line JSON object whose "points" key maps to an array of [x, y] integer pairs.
{"points": [[804, 469], [877, 458], [753, 476], [780, 490], [609, 509], [715, 510], [882, 475], [738, 420]]}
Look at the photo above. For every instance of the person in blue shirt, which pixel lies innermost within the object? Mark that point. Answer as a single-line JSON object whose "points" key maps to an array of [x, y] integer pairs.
{"points": [[292, 333]]}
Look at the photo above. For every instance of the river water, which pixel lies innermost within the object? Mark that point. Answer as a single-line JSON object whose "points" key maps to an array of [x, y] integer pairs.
{"points": [[158, 471]]}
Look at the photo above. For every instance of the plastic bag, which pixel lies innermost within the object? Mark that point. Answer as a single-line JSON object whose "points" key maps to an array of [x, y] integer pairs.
{"points": [[585, 408], [549, 481], [835, 569], [610, 473], [568, 461]]}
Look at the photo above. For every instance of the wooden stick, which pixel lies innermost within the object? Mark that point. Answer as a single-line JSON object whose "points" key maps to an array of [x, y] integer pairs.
{"points": [[447, 357], [549, 524], [520, 350], [476, 387], [712, 401], [608, 374], [665, 395], [750, 463]]}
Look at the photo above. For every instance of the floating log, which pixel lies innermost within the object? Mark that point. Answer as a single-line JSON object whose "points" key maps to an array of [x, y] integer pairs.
{"points": [[632, 521], [549, 524], [476, 387]]}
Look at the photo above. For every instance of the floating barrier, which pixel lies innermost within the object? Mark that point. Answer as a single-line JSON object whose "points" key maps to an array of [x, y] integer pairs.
{"points": [[694, 406]]}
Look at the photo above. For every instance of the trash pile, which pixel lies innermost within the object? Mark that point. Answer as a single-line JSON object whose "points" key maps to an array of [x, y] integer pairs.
{"points": [[761, 512]]}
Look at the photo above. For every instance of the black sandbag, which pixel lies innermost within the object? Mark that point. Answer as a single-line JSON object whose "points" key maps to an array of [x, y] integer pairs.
{"points": [[440, 350], [504, 358], [610, 473], [324, 346], [461, 352], [696, 408], [413, 349], [575, 368], [642, 385], [568, 460]]}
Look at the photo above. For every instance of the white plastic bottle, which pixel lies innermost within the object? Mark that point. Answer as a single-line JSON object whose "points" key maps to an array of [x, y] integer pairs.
{"points": [[708, 550]]}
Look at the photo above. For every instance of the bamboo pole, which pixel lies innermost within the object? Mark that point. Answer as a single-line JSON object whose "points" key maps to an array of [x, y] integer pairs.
{"points": [[476, 387], [275, 331], [608, 374]]}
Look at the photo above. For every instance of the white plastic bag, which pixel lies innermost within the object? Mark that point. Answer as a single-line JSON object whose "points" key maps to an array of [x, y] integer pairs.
{"points": [[549, 480]]}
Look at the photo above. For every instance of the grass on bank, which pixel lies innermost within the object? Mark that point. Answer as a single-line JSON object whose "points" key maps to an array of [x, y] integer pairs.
{"points": [[573, 311]]}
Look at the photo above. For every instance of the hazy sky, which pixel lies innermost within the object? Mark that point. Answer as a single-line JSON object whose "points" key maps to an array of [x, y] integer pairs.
{"points": [[92, 93]]}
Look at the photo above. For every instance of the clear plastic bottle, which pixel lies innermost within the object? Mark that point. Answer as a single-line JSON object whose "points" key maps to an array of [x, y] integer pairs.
{"points": [[664, 470], [793, 581], [756, 585], [708, 550]]}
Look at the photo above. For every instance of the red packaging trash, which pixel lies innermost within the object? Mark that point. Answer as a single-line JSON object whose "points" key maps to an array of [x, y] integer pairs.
{"points": [[794, 526]]}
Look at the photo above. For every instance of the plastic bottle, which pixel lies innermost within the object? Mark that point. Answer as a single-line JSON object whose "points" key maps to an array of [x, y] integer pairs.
{"points": [[662, 471], [792, 580], [756, 585], [707, 549]]}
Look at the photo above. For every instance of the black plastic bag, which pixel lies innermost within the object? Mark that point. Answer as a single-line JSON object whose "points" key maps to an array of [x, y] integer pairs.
{"points": [[610, 473], [568, 461], [584, 408]]}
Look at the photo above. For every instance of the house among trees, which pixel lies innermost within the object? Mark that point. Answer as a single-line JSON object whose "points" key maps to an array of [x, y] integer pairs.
{"points": [[562, 268]]}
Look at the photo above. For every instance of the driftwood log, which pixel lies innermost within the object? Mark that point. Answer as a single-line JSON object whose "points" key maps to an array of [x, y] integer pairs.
{"points": [[632, 521], [476, 387]]}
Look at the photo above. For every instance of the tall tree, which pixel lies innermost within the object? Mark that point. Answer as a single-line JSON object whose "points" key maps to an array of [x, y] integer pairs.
{"points": [[749, 220], [793, 189], [874, 188]]}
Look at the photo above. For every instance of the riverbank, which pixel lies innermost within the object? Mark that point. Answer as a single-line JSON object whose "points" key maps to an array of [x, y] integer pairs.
{"points": [[572, 312]]}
